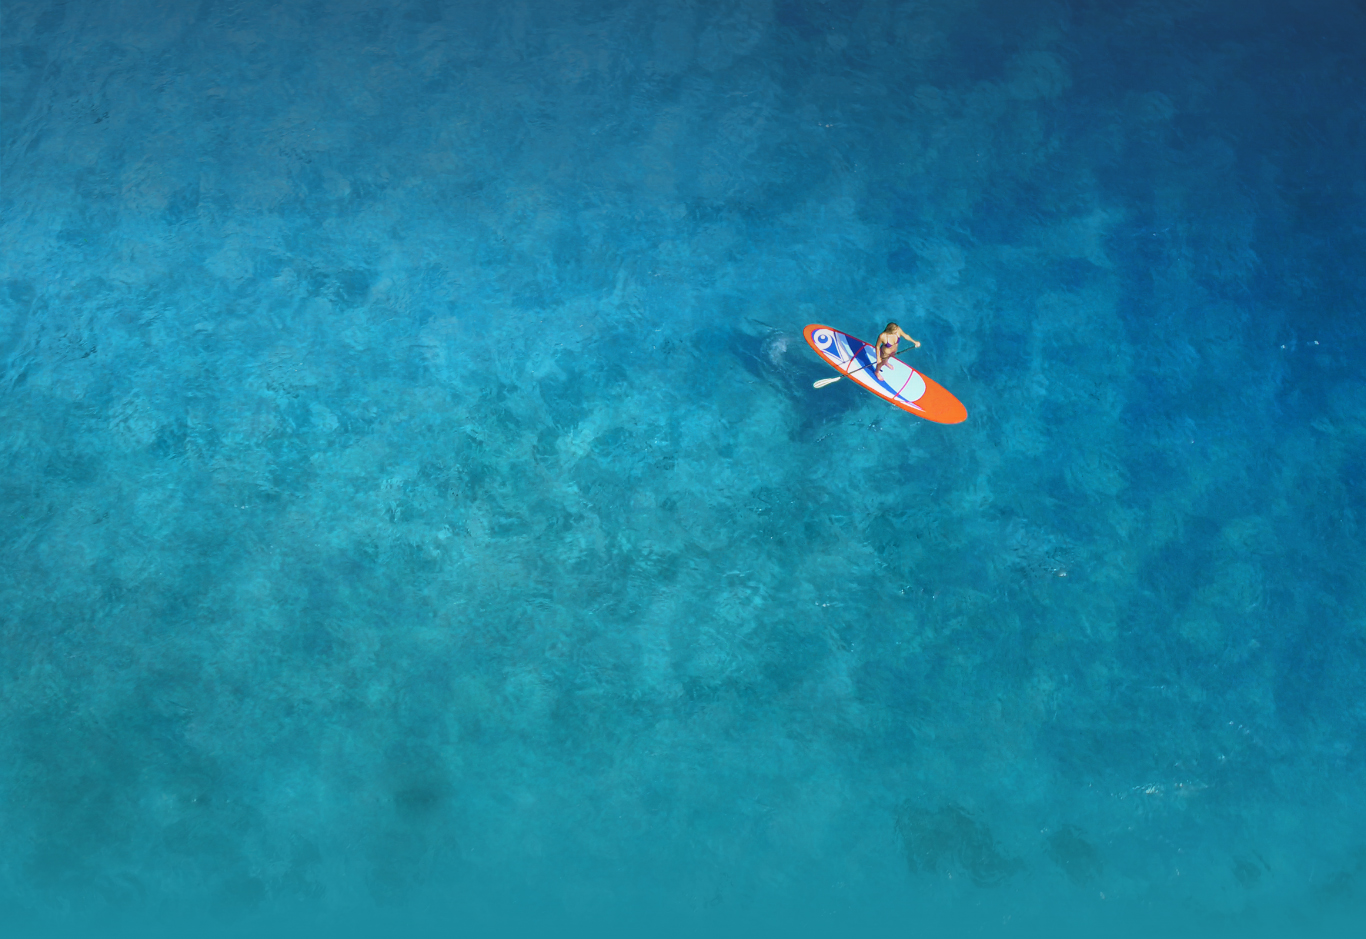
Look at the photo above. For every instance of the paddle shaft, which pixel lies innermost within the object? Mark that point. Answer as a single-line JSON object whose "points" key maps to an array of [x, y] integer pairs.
{"points": [[830, 381]]}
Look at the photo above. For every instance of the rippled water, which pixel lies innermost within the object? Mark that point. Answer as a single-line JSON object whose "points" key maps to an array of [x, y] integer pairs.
{"points": [[416, 508]]}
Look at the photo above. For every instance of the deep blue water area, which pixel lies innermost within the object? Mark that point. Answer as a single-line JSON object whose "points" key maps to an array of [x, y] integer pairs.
{"points": [[417, 516]]}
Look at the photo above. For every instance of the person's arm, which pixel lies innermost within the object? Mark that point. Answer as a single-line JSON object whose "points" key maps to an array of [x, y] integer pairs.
{"points": [[905, 335]]}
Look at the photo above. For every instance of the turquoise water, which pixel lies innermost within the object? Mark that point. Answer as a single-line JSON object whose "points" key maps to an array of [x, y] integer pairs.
{"points": [[416, 513]]}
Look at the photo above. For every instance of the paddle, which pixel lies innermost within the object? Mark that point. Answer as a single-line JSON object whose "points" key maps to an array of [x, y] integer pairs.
{"points": [[830, 381]]}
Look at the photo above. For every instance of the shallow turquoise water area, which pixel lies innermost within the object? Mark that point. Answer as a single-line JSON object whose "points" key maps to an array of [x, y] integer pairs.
{"points": [[416, 516]]}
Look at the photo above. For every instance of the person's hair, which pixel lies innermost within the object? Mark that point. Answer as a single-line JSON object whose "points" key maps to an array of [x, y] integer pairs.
{"points": [[891, 326]]}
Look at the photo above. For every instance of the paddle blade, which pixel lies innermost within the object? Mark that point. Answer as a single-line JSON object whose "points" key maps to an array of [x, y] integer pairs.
{"points": [[826, 381]]}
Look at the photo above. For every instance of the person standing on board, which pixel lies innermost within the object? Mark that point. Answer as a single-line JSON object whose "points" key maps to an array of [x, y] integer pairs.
{"points": [[886, 344]]}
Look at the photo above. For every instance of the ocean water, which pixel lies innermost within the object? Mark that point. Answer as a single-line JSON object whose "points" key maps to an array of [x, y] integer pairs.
{"points": [[416, 516]]}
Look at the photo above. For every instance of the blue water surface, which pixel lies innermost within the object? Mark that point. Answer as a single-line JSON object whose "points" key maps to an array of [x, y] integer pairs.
{"points": [[416, 516]]}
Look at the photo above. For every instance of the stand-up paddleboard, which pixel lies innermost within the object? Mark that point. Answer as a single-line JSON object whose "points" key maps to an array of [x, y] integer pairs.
{"points": [[897, 382]]}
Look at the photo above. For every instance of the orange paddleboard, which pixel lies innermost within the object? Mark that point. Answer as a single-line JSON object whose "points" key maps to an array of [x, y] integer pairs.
{"points": [[897, 382]]}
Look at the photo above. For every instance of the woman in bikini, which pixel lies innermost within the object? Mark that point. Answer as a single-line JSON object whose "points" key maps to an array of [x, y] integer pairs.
{"points": [[886, 344]]}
